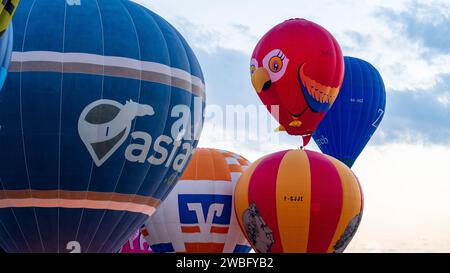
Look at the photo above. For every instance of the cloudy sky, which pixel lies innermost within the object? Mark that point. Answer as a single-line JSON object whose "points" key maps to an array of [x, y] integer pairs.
{"points": [[404, 168]]}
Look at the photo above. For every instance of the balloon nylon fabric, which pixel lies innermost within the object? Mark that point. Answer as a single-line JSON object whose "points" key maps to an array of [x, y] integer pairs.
{"points": [[136, 244], [198, 216], [6, 46], [356, 113], [7, 11], [91, 138], [298, 202], [297, 66]]}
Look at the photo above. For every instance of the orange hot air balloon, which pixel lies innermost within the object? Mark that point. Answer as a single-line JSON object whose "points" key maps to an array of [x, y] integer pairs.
{"points": [[198, 215], [298, 201]]}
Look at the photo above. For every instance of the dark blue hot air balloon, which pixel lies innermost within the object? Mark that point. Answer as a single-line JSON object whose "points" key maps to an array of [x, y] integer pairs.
{"points": [[356, 113], [6, 47], [99, 115]]}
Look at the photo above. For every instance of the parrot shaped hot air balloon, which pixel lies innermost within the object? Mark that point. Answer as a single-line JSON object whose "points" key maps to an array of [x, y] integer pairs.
{"points": [[298, 202], [100, 113], [198, 216], [356, 113], [297, 67]]}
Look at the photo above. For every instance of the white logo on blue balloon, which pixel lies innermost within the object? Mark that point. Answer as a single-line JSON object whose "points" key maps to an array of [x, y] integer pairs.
{"points": [[104, 125]]}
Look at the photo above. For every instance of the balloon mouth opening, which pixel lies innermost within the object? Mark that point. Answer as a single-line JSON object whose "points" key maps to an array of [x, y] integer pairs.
{"points": [[348, 161]]}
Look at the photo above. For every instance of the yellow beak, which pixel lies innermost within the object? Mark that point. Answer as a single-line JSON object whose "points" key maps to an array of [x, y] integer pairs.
{"points": [[261, 80]]}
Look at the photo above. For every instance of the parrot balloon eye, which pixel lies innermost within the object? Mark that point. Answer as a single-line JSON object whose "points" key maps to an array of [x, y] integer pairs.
{"points": [[276, 64]]}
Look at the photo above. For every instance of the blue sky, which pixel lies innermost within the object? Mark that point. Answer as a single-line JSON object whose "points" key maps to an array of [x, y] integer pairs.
{"points": [[403, 168]]}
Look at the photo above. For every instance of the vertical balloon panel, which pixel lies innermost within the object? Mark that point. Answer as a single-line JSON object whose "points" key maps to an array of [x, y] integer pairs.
{"points": [[6, 45], [95, 115], [7, 11]]}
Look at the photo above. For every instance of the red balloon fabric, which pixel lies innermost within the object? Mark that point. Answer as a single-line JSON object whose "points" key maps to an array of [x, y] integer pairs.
{"points": [[298, 66]]}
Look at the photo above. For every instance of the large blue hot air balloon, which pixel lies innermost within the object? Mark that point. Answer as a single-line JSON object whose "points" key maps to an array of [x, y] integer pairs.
{"points": [[101, 110], [356, 113], [6, 46]]}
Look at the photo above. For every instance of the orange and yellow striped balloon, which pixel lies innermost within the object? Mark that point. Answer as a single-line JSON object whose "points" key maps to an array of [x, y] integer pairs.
{"points": [[298, 201]]}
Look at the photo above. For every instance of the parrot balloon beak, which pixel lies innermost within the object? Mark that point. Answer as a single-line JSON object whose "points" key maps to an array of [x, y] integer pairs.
{"points": [[261, 80]]}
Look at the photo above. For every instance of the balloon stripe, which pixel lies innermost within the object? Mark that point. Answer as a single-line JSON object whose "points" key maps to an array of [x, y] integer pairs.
{"points": [[235, 168], [47, 61], [326, 203], [200, 167], [261, 192], [204, 247], [186, 229], [220, 166], [361, 193], [220, 230], [293, 199], [351, 205], [76, 204], [241, 194], [75, 195]]}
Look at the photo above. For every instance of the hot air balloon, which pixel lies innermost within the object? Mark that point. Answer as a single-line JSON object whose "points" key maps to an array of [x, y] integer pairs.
{"points": [[136, 244], [100, 113], [298, 68], [6, 46], [7, 11], [298, 201], [356, 114], [198, 216]]}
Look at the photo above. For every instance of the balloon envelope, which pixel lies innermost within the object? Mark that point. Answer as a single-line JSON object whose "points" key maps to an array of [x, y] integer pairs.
{"points": [[198, 216], [7, 11], [98, 117], [355, 115], [6, 47], [297, 69], [298, 202]]}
